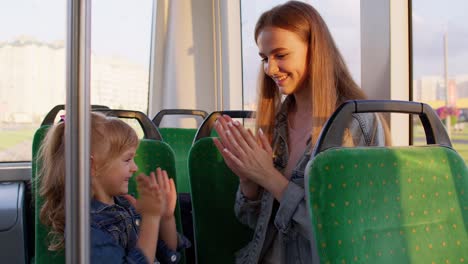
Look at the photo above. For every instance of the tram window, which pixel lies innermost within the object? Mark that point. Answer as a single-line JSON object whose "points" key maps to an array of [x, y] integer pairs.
{"points": [[32, 63], [32, 70], [432, 20], [120, 43], [133, 123], [342, 18]]}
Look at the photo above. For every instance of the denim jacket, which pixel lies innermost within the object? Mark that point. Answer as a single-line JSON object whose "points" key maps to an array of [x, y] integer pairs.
{"points": [[288, 221], [114, 235]]}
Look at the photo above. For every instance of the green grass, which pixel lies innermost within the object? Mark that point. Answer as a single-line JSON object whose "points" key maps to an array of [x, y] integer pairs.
{"points": [[9, 139], [459, 135], [461, 148]]}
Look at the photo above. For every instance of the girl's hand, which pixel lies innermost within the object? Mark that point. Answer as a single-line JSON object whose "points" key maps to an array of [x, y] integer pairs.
{"points": [[130, 199], [168, 189], [152, 201]]}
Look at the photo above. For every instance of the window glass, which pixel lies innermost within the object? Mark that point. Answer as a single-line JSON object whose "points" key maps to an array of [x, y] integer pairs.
{"points": [[32, 63], [120, 43], [435, 23], [342, 18]]}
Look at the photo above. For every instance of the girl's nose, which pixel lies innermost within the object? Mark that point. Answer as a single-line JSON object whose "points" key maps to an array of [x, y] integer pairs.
{"points": [[134, 166]]}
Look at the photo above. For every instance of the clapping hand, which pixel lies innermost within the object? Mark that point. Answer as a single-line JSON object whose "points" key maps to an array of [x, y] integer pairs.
{"points": [[249, 157], [152, 200], [168, 189]]}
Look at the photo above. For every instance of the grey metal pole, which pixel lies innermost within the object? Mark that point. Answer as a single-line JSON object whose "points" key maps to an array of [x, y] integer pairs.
{"points": [[77, 132], [447, 93]]}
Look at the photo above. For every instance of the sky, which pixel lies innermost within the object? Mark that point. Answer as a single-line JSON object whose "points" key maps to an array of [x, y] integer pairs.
{"points": [[431, 19], [123, 28], [119, 27]]}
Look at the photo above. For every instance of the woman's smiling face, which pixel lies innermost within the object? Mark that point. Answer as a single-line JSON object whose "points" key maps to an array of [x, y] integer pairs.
{"points": [[284, 57]]}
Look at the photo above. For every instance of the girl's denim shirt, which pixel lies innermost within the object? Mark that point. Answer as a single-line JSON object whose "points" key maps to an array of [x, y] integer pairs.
{"points": [[114, 235], [288, 220]]}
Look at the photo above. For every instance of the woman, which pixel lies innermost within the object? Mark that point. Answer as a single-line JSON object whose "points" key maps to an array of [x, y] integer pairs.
{"points": [[300, 61]]}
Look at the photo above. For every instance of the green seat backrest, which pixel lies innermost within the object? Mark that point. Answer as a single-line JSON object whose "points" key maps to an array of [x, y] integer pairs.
{"points": [[150, 155], [390, 205], [213, 133], [180, 140], [218, 234]]}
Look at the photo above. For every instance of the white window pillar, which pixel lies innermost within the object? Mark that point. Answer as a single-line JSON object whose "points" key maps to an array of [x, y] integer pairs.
{"points": [[183, 73], [196, 59], [385, 57], [230, 62]]}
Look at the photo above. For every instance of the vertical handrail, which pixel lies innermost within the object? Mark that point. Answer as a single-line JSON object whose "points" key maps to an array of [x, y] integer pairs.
{"points": [[77, 126]]}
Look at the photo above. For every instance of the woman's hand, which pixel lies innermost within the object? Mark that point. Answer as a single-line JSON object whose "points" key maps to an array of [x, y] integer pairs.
{"points": [[152, 201], [249, 157]]}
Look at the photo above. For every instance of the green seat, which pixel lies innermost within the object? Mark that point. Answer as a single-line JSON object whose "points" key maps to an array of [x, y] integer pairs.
{"points": [[390, 204], [151, 153], [180, 140], [218, 234], [395, 205]]}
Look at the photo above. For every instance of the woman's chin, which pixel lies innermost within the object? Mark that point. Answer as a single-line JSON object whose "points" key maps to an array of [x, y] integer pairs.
{"points": [[285, 90]]}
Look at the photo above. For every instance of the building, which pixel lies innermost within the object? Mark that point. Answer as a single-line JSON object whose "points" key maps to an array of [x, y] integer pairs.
{"points": [[33, 80]]}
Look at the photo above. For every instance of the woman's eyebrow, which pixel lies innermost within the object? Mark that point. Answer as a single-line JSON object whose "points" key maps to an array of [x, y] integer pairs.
{"points": [[273, 51]]}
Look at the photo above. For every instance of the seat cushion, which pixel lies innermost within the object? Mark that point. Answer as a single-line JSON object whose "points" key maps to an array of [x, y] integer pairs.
{"points": [[390, 205]]}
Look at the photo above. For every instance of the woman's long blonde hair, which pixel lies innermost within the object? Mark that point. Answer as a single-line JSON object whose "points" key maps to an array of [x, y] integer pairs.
{"points": [[109, 138], [328, 77]]}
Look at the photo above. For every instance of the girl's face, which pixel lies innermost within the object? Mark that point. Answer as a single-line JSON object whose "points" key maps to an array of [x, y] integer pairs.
{"points": [[284, 57], [114, 180]]}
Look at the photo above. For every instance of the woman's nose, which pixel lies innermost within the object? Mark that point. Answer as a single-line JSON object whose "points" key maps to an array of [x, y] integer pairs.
{"points": [[270, 68]]}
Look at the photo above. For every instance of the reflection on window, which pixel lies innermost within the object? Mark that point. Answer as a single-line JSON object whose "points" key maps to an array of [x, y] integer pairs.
{"points": [[32, 63], [433, 21], [342, 18]]}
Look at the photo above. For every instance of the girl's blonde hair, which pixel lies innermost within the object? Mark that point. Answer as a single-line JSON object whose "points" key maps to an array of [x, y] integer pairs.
{"points": [[109, 138], [328, 77]]}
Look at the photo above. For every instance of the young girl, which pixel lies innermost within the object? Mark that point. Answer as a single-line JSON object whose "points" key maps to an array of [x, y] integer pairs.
{"points": [[123, 230], [300, 62]]}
